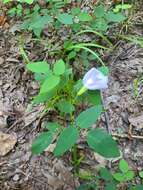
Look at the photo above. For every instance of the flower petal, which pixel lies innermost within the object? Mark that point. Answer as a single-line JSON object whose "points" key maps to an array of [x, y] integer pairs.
{"points": [[94, 80]]}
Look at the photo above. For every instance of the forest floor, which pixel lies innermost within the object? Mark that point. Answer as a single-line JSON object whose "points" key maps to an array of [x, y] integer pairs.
{"points": [[19, 169]]}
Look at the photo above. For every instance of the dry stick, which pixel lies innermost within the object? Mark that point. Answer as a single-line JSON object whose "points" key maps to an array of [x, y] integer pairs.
{"points": [[38, 180], [107, 122], [127, 136], [105, 114], [29, 176], [102, 99]]}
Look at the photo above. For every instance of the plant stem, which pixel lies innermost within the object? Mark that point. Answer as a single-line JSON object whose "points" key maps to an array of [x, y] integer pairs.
{"points": [[75, 158], [21, 49], [92, 52], [97, 33], [25, 57]]}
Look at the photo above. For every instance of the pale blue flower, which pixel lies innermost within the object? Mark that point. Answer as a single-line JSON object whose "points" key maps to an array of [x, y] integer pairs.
{"points": [[95, 80]]}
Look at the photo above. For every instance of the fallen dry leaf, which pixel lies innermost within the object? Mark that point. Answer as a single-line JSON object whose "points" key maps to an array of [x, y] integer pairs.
{"points": [[53, 181], [1, 60], [137, 121], [65, 174], [7, 143], [3, 122], [32, 114], [2, 20]]}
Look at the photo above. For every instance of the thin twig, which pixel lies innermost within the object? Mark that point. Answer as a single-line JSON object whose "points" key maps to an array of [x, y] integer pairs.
{"points": [[29, 176], [105, 115], [127, 136]]}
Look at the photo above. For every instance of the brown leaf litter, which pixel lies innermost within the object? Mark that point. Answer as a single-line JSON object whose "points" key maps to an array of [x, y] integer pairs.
{"points": [[137, 121], [7, 143]]}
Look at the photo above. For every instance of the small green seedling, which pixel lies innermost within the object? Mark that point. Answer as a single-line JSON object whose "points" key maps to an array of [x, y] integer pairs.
{"points": [[16, 11], [125, 173], [107, 180], [120, 7], [137, 87], [76, 19], [23, 1]]}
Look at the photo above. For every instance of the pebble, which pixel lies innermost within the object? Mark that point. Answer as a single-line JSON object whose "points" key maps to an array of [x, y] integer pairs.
{"points": [[1, 60], [112, 99], [3, 123], [16, 177]]}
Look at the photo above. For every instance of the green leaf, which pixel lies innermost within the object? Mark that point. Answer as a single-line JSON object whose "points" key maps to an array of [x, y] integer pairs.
{"points": [[50, 83], [85, 175], [38, 67], [36, 23], [71, 55], [123, 166], [12, 12], [121, 7], [68, 44], [65, 18], [102, 143], [65, 107], [64, 80], [139, 187], [141, 174], [88, 117], [110, 186], [105, 174], [6, 1], [115, 17], [78, 85], [94, 97], [37, 31], [88, 186], [36, 8], [66, 140], [40, 76], [129, 175], [104, 70], [40, 21], [75, 11], [100, 24], [41, 142], [28, 1], [99, 11], [119, 177], [84, 17], [52, 126], [41, 98], [59, 67], [57, 24], [76, 27]]}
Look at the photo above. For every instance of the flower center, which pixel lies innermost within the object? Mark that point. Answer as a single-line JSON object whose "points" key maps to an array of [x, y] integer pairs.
{"points": [[90, 81]]}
